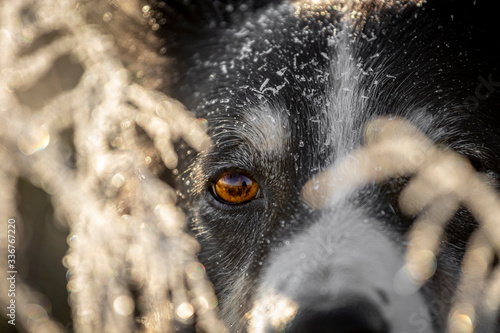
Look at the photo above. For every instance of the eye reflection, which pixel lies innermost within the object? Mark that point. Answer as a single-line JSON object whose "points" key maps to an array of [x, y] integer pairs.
{"points": [[235, 188]]}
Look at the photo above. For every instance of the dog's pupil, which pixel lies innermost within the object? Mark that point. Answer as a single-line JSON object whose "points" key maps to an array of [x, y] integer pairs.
{"points": [[235, 188]]}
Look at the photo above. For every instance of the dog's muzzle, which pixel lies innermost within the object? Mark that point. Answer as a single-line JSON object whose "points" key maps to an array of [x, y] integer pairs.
{"points": [[350, 313], [342, 274]]}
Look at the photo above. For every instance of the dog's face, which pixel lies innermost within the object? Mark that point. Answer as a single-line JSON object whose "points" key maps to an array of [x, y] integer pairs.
{"points": [[287, 91]]}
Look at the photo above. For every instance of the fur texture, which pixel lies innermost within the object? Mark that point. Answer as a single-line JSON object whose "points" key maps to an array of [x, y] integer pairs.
{"points": [[287, 88]]}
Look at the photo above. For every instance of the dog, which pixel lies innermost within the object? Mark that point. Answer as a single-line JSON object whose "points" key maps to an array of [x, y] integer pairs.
{"points": [[287, 89]]}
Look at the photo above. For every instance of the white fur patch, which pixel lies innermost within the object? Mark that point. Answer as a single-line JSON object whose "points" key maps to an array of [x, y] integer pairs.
{"points": [[267, 130]]}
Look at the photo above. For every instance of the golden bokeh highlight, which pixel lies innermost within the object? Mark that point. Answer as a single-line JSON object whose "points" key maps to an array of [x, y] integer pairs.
{"points": [[123, 305]]}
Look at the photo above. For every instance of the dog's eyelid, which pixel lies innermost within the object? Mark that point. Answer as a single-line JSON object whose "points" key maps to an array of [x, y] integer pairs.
{"points": [[235, 187]]}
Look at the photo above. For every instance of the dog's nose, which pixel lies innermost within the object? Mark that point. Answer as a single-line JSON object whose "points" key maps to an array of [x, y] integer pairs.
{"points": [[351, 315]]}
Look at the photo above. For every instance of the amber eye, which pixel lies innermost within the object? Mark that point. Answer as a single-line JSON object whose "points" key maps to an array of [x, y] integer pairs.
{"points": [[235, 188]]}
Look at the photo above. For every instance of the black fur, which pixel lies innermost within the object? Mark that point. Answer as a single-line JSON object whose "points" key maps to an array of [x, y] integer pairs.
{"points": [[234, 61]]}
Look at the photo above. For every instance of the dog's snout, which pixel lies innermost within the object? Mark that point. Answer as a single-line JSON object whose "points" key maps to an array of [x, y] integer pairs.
{"points": [[352, 314]]}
